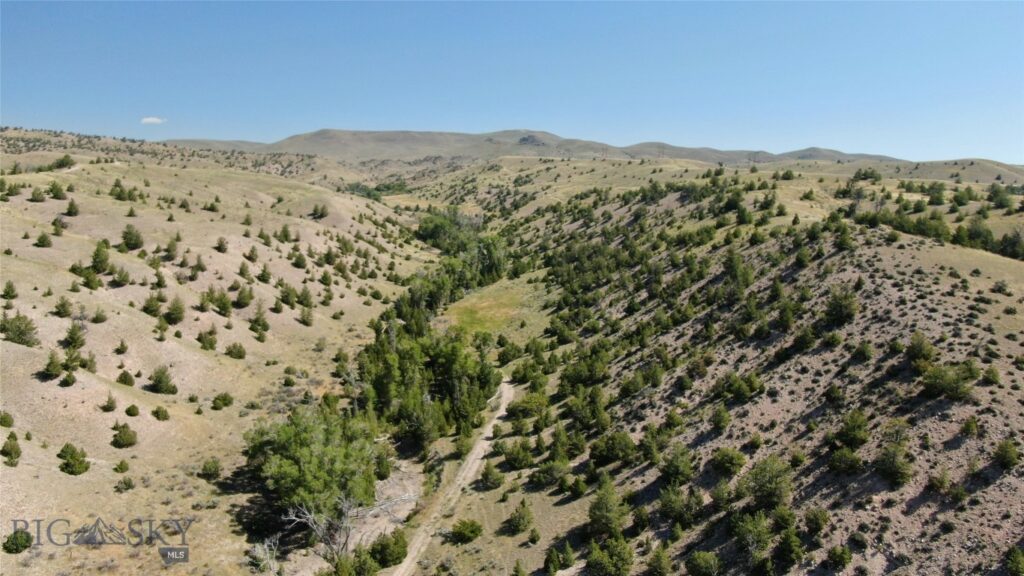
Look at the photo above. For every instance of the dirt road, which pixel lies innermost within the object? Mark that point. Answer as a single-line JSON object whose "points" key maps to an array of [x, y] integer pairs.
{"points": [[445, 500]]}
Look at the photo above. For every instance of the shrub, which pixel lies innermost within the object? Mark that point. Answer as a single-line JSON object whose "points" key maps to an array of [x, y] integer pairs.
{"points": [[864, 351], [720, 418], [845, 461], [893, 464], [20, 330], [358, 564], [659, 564], [678, 465], [222, 400], [208, 339], [1014, 561], [389, 549], [132, 410], [615, 558], [161, 414], [126, 378], [131, 238], [465, 531], [790, 550], [124, 484], [528, 406], [769, 482], [549, 473], [841, 307], [970, 427], [17, 542], [160, 382], [951, 381], [110, 405], [236, 351], [854, 431], [753, 535], [73, 460], [11, 450], [518, 455], [124, 436], [740, 388], [722, 496], [728, 461], [1006, 455], [382, 466], [816, 520], [990, 377], [703, 564], [839, 557], [682, 509], [920, 353], [6, 420], [210, 470], [520, 519]]}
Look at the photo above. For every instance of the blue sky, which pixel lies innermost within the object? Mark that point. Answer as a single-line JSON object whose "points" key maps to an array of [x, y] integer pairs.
{"points": [[914, 80]]}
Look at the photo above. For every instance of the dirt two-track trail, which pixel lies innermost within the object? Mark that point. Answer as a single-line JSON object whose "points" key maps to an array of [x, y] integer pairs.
{"points": [[449, 495]]}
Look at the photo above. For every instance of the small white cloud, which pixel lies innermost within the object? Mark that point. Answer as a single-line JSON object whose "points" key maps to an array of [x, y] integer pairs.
{"points": [[154, 120]]}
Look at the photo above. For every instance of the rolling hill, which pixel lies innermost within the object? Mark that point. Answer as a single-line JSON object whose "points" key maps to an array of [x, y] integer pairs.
{"points": [[537, 359], [359, 146]]}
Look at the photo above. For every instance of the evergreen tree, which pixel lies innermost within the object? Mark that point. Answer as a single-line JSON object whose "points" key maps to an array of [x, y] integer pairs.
{"points": [[606, 513], [100, 259], [131, 238], [54, 366]]}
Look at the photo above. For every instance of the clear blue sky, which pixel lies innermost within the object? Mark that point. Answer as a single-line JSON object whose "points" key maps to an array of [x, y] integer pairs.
{"points": [[915, 80]]}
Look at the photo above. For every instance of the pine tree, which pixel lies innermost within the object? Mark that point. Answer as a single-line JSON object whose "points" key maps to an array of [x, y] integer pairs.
{"points": [[100, 258], [491, 478], [54, 366], [659, 563], [606, 513], [520, 519], [175, 311], [131, 238], [74, 339]]}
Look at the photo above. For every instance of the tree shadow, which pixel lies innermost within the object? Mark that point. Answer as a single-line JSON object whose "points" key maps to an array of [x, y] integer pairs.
{"points": [[258, 517]]}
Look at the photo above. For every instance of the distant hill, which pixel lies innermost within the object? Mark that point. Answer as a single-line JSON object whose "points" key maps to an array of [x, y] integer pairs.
{"points": [[358, 146], [220, 145]]}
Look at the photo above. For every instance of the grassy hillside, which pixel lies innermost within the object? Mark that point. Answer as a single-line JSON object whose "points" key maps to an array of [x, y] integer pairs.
{"points": [[726, 329], [512, 362], [352, 262]]}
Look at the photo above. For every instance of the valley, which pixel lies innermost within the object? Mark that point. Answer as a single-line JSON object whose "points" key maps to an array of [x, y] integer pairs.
{"points": [[511, 353]]}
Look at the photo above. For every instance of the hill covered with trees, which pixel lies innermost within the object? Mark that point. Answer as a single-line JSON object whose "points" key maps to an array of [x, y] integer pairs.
{"points": [[519, 365]]}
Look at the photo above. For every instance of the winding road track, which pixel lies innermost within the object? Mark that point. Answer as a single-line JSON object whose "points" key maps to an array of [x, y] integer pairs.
{"points": [[445, 501]]}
